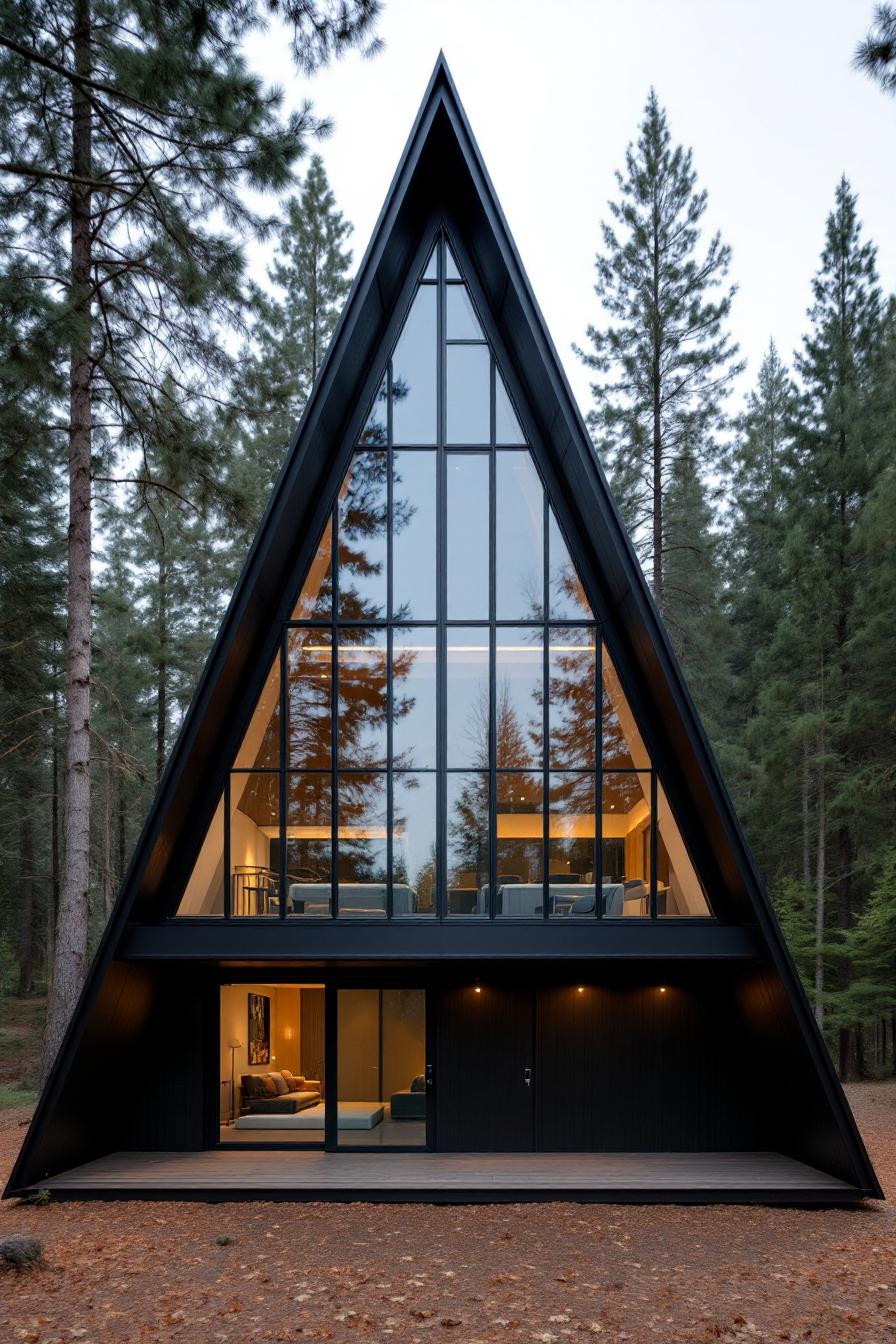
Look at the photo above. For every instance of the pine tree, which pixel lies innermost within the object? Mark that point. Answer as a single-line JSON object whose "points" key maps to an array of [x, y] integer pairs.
{"points": [[290, 332], [664, 359], [137, 130], [876, 54]]}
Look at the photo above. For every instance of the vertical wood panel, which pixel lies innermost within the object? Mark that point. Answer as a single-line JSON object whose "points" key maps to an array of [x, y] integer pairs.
{"points": [[485, 1041]]}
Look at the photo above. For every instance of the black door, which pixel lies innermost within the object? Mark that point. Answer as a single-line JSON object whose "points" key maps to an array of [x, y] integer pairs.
{"points": [[484, 1079]]}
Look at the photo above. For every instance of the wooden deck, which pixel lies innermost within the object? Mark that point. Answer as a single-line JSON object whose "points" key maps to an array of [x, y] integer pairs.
{"points": [[453, 1178]]}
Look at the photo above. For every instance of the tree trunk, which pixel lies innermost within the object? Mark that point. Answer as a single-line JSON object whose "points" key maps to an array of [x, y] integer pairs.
{"points": [[820, 879], [72, 921], [806, 820], [55, 876], [26, 892]]}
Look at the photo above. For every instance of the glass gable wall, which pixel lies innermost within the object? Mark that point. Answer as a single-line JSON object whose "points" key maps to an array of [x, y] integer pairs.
{"points": [[443, 735]]}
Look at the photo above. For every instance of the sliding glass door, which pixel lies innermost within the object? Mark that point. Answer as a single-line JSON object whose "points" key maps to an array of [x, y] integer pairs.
{"points": [[382, 1082]]}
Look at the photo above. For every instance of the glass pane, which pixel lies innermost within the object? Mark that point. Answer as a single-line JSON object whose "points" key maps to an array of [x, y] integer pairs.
{"points": [[361, 870], [414, 536], [270, 1033], [381, 1085], [309, 848], [461, 322], [414, 699], [518, 687], [468, 395], [316, 598], [375, 432], [363, 527], [679, 890], [413, 844], [309, 698], [451, 270], [467, 829], [468, 535], [565, 592], [520, 845], [414, 373], [363, 699], [260, 748], [571, 845], [204, 893], [432, 266], [254, 847], [507, 426], [625, 849], [519, 543], [572, 669], [467, 698], [623, 748]]}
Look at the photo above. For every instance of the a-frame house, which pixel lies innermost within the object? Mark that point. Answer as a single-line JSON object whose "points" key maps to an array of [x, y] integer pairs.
{"points": [[442, 863]]}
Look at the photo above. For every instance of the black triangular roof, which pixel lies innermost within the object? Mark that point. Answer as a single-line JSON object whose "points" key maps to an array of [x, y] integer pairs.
{"points": [[441, 182]]}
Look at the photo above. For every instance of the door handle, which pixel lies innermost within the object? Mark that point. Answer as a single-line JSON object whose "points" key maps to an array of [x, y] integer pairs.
{"points": [[527, 1077], [429, 1075]]}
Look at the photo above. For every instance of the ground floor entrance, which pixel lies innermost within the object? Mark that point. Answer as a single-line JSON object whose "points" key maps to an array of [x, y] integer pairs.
{"points": [[618, 1062]]}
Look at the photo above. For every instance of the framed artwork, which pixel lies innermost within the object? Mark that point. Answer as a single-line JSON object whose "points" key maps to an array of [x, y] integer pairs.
{"points": [[259, 1029]]}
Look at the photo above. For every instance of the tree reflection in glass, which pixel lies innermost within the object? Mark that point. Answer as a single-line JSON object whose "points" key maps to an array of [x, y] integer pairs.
{"points": [[572, 667], [468, 832], [363, 538]]}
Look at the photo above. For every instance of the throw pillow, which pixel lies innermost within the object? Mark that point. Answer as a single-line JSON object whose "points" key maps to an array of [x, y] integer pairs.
{"points": [[252, 1085], [267, 1082], [280, 1083], [295, 1080], [418, 1084]]}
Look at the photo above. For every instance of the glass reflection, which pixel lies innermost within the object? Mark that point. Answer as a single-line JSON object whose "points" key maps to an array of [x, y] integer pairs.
{"points": [[519, 543], [572, 667], [414, 698], [507, 426], [309, 848], [467, 833], [625, 849], [375, 432], [316, 598], [361, 865], [452, 271], [309, 698], [520, 845], [467, 561], [520, 698], [623, 747], [461, 321], [565, 592], [260, 747], [467, 695], [363, 698], [468, 394], [571, 844], [363, 529], [414, 536], [254, 830], [679, 890], [414, 844], [414, 373]]}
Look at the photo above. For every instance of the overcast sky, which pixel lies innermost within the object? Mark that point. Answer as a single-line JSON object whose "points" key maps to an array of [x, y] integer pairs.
{"points": [[762, 90]]}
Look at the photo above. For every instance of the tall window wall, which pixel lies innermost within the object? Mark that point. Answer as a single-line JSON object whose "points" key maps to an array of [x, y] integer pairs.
{"points": [[442, 735]]}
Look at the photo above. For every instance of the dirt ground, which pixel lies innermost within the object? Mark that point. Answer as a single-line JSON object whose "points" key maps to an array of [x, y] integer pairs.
{"points": [[547, 1272]]}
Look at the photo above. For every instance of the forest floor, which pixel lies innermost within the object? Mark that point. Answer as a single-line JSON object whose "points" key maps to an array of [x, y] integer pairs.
{"points": [[21, 1035], [148, 1273]]}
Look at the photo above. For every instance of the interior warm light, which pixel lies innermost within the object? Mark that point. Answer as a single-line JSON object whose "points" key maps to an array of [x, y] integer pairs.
{"points": [[662, 989], [477, 989], [581, 989]]}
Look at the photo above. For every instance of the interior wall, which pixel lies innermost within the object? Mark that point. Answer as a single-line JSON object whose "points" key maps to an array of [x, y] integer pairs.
{"points": [[312, 1046], [285, 1033], [404, 1038]]}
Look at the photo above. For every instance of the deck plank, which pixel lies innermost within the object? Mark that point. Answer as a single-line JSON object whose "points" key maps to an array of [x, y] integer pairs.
{"points": [[317, 1174]]}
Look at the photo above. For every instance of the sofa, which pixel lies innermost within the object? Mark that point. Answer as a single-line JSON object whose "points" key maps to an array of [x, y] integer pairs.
{"points": [[410, 1103], [277, 1093]]}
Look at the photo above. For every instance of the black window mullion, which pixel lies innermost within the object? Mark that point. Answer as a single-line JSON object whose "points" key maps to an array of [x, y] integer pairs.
{"points": [[334, 722], [390, 608], [545, 724], [389, 775], [441, 602], [653, 844], [226, 875], [598, 775], [492, 695], [283, 796]]}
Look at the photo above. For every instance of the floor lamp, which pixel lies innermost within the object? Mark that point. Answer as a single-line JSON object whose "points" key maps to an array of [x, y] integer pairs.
{"points": [[234, 1046]]}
